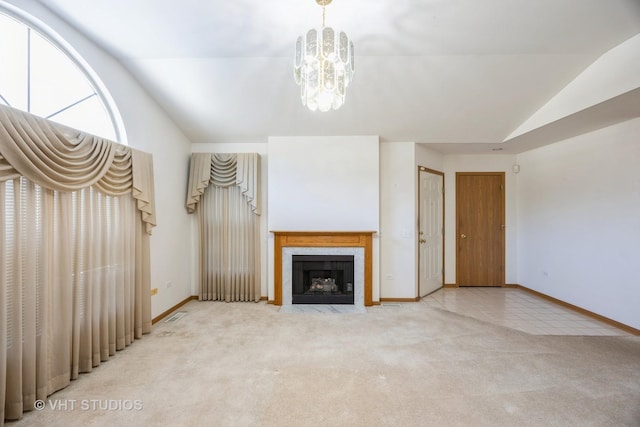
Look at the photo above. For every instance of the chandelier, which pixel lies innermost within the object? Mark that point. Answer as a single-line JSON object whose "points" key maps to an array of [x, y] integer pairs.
{"points": [[323, 66]]}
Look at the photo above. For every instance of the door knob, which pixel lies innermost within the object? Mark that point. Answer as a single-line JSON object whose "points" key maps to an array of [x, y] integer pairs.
{"points": [[423, 241], [463, 236]]}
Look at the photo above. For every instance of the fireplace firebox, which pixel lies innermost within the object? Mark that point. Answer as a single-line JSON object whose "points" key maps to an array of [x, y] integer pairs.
{"points": [[322, 279]]}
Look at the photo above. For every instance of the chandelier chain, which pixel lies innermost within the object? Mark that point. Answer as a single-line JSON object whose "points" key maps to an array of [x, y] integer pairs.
{"points": [[323, 9], [324, 4]]}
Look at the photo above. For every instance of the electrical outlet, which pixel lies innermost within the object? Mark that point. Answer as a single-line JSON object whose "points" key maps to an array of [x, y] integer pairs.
{"points": [[154, 291]]}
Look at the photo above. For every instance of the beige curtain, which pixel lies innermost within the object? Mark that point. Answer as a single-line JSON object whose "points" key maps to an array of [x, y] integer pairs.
{"points": [[224, 193], [74, 260]]}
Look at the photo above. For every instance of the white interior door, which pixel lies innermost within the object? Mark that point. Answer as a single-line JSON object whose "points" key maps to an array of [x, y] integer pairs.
{"points": [[430, 231]]}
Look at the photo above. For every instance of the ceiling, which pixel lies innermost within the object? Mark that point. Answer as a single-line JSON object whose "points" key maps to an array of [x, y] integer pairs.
{"points": [[459, 74]]}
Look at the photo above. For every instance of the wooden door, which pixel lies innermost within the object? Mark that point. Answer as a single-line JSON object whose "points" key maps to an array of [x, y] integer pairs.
{"points": [[480, 229], [430, 231]]}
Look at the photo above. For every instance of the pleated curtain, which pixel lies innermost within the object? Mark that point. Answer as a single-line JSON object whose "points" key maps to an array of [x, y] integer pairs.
{"points": [[74, 261], [224, 194]]}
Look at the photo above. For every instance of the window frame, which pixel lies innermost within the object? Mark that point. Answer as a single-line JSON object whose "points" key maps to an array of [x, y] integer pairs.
{"points": [[66, 49]]}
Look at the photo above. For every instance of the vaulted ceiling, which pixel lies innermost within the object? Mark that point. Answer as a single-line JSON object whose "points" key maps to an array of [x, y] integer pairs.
{"points": [[463, 75]]}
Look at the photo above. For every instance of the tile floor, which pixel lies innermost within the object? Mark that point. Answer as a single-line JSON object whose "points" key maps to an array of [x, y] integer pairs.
{"points": [[518, 309]]}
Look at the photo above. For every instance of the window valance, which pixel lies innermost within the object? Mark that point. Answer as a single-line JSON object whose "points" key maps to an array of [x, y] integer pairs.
{"points": [[64, 159], [224, 170]]}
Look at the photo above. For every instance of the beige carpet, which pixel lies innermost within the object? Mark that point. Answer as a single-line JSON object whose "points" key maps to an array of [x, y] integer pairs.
{"points": [[245, 364]]}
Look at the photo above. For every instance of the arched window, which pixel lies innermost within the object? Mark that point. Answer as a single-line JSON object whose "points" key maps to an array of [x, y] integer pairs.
{"points": [[42, 76]]}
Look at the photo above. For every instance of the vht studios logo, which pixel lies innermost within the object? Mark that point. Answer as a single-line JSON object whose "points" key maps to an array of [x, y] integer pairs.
{"points": [[89, 405]]}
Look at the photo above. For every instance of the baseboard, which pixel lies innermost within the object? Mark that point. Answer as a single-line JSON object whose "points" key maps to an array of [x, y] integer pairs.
{"points": [[416, 299], [511, 285], [580, 310], [172, 309], [450, 285], [270, 301], [264, 298]]}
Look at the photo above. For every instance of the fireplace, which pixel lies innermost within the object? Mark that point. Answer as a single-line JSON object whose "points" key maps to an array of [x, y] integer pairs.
{"points": [[322, 279], [354, 244]]}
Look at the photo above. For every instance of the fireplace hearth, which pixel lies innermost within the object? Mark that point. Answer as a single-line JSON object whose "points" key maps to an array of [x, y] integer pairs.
{"points": [[322, 279]]}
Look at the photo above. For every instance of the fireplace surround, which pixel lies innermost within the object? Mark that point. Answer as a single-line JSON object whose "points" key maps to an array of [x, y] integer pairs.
{"points": [[352, 243]]}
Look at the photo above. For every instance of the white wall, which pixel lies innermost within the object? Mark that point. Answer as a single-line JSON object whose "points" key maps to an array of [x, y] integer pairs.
{"points": [[324, 183], [399, 163], [480, 163], [150, 129], [579, 221], [397, 220], [429, 159]]}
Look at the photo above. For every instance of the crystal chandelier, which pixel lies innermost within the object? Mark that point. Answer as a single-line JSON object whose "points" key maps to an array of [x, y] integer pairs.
{"points": [[323, 66]]}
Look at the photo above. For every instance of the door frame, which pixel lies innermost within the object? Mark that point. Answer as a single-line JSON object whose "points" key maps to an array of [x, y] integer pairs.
{"points": [[503, 273], [444, 220]]}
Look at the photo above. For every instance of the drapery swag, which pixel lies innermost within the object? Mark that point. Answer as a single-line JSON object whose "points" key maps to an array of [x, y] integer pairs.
{"points": [[223, 191], [74, 262]]}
